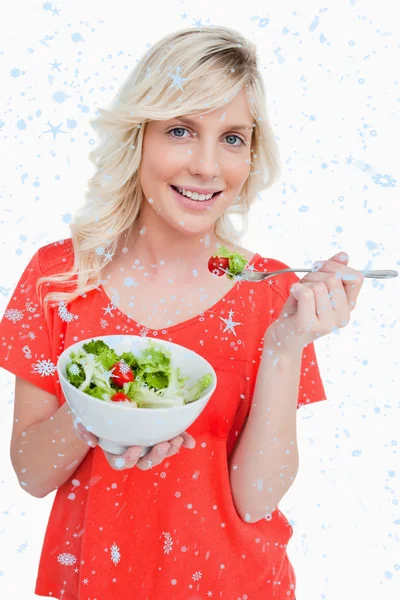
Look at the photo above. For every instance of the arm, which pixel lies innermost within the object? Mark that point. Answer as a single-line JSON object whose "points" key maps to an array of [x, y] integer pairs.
{"points": [[45, 451], [265, 460]]}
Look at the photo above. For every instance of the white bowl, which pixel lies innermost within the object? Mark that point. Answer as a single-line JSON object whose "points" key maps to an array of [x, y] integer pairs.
{"points": [[118, 425]]}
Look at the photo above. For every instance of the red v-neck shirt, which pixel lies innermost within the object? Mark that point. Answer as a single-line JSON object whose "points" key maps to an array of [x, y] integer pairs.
{"points": [[171, 532]]}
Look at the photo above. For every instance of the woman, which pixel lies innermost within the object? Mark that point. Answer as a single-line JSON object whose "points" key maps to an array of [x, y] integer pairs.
{"points": [[202, 522]]}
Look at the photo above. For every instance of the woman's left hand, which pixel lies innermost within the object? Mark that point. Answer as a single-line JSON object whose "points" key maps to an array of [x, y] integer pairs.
{"points": [[322, 305]]}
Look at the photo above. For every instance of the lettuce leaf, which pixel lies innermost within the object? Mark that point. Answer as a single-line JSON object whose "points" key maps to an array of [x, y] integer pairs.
{"points": [[237, 262]]}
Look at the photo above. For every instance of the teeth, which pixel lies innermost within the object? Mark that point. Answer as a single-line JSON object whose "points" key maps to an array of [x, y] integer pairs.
{"points": [[194, 195]]}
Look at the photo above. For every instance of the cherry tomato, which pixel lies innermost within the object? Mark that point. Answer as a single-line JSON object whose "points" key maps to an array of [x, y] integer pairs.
{"points": [[121, 374], [216, 263], [120, 397]]}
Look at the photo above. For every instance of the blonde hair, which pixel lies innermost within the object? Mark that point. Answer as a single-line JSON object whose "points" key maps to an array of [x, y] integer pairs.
{"points": [[215, 64]]}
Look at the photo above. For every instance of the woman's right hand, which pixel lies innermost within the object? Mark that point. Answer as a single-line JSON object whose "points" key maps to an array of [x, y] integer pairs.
{"points": [[131, 457]]}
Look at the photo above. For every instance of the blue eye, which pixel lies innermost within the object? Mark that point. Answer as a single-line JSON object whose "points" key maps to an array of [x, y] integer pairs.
{"points": [[242, 142]]}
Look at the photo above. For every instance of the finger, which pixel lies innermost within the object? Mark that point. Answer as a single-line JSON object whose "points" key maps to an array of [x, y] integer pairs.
{"points": [[83, 434], [323, 307], [127, 460], [351, 279], [306, 309], [341, 257], [175, 445], [338, 300], [154, 457], [188, 440]]}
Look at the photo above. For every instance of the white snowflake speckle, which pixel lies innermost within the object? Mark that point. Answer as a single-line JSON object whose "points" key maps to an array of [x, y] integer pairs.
{"points": [[66, 559], [119, 462], [115, 554], [14, 315], [44, 368], [167, 542]]}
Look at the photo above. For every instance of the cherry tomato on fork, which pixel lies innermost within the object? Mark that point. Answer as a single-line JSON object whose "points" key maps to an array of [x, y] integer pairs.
{"points": [[216, 264]]}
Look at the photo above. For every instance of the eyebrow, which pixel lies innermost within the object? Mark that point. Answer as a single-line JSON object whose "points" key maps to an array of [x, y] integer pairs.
{"points": [[193, 122]]}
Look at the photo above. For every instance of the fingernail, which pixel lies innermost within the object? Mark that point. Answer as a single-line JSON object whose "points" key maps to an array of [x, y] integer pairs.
{"points": [[88, 440], [319, 264]]}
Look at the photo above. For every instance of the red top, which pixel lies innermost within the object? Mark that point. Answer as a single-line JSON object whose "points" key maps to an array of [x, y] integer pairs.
{"points": [[171, 532]]}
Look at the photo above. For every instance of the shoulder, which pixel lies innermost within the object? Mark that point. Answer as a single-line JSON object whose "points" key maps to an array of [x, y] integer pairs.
{"points": [[56, 257]]}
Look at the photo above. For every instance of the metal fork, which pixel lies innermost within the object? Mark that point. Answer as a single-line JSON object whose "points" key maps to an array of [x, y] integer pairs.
{"points": [[259, 276]]}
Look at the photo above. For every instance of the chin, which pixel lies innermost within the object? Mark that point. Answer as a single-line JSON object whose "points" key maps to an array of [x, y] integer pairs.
{"points": [[193, 226]]}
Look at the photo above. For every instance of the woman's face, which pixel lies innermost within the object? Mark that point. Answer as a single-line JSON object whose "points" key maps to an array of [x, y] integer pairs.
{"points": [[211, 153]]}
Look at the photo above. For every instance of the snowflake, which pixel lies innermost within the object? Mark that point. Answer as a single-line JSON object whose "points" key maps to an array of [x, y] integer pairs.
{"points": [[124, 368], [44, 367], [167, 543], [268, 517], [107, 374], [163, 475], [177, 494], [71, 496], [14, 315], [196, 576], [73, 369], [66, 559], [115, 554], [63, 313], [30, 307], [120, 462], [183, 549], [27, 352], [22, 547]]}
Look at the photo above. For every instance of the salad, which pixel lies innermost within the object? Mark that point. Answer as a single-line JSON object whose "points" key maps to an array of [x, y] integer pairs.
{"points": [[233, 262], [146, 381]]}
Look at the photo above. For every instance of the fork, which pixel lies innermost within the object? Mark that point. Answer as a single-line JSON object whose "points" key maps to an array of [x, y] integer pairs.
{"points": [[259, 276]]}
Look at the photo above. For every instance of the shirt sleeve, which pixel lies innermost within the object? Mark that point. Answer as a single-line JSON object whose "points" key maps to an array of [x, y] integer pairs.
{"points": [[25, 346]]}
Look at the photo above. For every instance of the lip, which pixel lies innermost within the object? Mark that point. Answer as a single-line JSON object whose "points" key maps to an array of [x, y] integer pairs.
{"points": [[194, 205], [198, 190]]}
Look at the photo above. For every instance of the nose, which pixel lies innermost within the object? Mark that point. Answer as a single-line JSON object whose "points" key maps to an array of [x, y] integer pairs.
{"points": [[203, 160]]}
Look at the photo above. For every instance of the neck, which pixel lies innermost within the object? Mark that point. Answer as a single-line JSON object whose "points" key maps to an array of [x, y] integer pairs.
{"points": [[165, 251]]}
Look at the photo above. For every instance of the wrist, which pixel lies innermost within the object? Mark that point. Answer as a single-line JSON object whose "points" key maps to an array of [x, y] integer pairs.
{"points": [[275, 349]]}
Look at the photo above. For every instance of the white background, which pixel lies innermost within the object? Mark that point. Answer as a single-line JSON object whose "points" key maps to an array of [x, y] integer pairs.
{"points": [[334, 97]]}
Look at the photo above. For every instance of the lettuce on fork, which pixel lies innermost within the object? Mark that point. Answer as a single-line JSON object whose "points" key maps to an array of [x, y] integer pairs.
{"points": [[237, 262], [156, 383]]}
